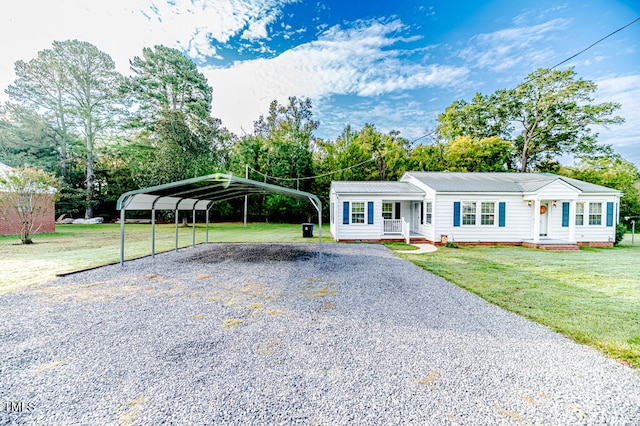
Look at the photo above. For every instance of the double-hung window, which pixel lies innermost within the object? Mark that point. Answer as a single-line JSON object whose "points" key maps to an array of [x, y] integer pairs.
{"points": [[579, 214], [387, 210], [595, 213], [428, 212], [357, 212], [468, 213], [488, 213]]}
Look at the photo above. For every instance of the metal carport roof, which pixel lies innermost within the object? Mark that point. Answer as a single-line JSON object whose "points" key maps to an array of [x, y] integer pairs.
{"points": [[199, 194]]}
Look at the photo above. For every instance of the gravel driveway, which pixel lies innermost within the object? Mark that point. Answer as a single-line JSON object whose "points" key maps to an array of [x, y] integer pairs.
{"points": [[262, 334]]}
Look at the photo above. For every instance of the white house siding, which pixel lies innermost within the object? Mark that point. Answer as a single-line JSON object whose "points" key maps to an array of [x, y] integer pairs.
{"points": [[357, 231], [602, 232], [517, 223]]}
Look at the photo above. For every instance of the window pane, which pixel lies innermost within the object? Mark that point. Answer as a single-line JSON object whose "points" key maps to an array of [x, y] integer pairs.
{"points": [[387, 210], [595, 213], [488, 214], [429, 210], [357, 212], [579, 213], [468, 213]]}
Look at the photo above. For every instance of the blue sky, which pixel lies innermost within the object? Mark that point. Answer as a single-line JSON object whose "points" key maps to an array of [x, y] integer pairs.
{"points": [[395, 64]]}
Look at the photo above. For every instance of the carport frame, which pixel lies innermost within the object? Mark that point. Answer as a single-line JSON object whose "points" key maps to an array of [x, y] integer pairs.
{"points": [[200, 194]]}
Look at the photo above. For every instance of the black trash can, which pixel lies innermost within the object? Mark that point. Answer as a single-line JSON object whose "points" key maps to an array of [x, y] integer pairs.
{"points": [[307, 230]]}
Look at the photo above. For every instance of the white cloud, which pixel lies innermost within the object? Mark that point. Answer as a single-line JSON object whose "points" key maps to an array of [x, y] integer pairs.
{"points": [[624, 90], [123, 27], [504, 49], [355, 61]]}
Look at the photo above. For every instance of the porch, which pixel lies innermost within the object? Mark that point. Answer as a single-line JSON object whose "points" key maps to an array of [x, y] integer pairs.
{"points": [[401, 219]]}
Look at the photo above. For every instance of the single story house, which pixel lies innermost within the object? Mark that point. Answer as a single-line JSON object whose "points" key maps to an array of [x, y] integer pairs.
{"points": [[10, 222], [533, 209]]}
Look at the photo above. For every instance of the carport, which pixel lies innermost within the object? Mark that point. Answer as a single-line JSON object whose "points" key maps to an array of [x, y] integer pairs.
{"points": [[200, 194]]}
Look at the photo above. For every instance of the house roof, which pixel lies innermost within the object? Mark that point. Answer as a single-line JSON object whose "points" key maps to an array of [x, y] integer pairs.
{"points": [[375, 187], [500, 182]]}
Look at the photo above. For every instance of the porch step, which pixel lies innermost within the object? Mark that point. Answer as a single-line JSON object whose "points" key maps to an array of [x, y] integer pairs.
{"points": [[418, 240]]}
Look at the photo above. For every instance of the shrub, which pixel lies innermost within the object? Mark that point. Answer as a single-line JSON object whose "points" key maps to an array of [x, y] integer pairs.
{"points": [[621, 229]]}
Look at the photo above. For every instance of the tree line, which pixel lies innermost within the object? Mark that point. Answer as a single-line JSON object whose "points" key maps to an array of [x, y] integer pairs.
{"points": [[72, 114]]}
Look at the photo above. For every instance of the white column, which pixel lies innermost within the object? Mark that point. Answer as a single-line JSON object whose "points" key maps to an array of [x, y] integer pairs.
{"points": [[536, 221], [572, 221]]}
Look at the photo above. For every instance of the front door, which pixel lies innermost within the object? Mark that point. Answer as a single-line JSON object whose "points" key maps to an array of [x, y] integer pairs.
{"points": [[415, 216], [544, 219]]}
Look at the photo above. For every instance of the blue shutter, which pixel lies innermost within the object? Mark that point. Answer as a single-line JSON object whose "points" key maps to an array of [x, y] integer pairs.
{"points": [[370, 213], [502, 214], [345, 213], [565, 214], [610, 213], [456, 213]]}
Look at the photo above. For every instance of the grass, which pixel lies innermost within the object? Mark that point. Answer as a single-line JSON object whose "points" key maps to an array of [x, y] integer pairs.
{"points": [[74, 247], [591, 296], [398, 245]]}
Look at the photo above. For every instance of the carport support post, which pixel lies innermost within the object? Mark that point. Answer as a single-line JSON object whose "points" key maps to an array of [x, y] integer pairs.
{"points": [[193, 228], [153, 233], [177, 228], [206, 239], [122, 237]]}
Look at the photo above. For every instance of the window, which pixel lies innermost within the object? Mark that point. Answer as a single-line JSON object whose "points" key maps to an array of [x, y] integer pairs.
{"points": [[387, 210], [429, 212], [595, 213], [331, 213], [579, 213], [357, 212], [468, 213], [488, 214]]}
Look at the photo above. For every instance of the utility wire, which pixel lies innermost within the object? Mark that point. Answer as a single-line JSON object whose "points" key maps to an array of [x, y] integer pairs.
{"points": [[274, 178], [582, 51], [596, 42]]}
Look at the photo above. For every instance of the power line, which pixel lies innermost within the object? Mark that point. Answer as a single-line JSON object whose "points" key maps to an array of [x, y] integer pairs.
{"points": [[340, 170], [596, 42], [582, 51]]}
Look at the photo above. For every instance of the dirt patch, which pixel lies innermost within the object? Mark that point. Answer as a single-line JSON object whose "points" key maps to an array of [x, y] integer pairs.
{"points": [[253, 253]]}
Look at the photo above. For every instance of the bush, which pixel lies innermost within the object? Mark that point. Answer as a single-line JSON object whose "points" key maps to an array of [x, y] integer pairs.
{"points": [[451, 245], [621, 229]]}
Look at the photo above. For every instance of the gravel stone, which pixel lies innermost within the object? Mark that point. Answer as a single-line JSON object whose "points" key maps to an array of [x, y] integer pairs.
{"points": [[274, 334]]}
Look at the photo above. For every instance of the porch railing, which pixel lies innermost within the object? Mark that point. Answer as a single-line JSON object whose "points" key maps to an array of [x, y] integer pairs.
{"points": [[392, 226]]}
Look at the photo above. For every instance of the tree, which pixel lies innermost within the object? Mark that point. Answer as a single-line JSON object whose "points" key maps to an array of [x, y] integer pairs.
{"points": [[74, 85], [466, 154], [281, 146], [26, 192], [548, 115], [92, 84], [175, 132], [427, 158], [40, 88], [614, 172], [26, 137]]}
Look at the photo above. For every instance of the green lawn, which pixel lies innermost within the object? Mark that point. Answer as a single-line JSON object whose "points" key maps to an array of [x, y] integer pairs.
{"points": [[591, 296], [74, 247]]}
